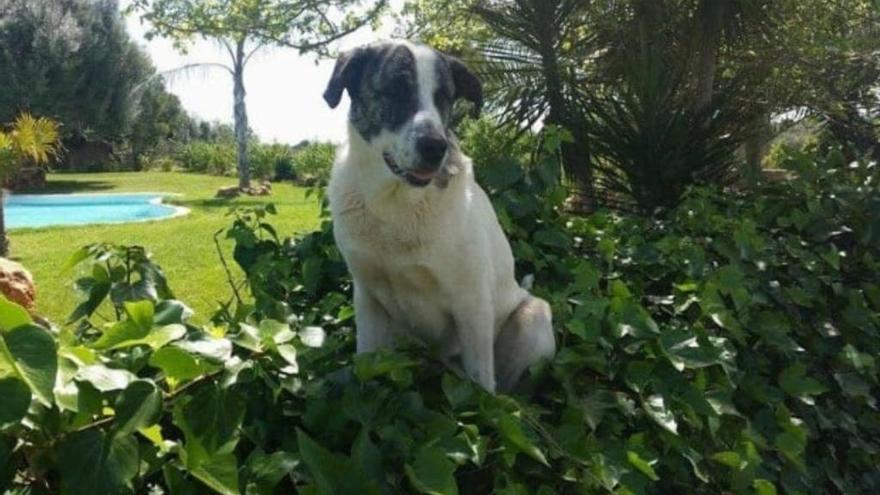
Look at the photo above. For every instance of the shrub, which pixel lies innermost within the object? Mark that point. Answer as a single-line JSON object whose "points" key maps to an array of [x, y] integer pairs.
{"points": [[728, 347], [313, 163], [210, 158], [267, 158]]}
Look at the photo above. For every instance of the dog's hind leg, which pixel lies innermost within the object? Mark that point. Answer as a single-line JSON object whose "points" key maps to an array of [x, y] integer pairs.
{"points": [[526, 338]]}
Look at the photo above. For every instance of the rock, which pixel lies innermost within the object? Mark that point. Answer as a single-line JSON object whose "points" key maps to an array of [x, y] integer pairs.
{"points": [[228, 192], [17, 284], [258, 190]]}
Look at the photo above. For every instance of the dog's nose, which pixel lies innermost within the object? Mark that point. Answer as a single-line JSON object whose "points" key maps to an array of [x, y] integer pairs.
{"points": [[432, 148]]}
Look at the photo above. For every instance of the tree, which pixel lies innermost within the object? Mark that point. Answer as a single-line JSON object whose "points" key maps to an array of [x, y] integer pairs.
{"points": [[536, 58], [72, 61], [30, 141], [243, 27]]}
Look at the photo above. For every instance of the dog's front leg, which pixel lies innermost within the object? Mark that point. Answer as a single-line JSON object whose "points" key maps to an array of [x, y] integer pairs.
{"points": [[372, 321], [476, 331]]}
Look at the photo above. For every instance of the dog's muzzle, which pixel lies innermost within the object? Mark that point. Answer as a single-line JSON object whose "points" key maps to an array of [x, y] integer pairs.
{"points": [[417, 178]]}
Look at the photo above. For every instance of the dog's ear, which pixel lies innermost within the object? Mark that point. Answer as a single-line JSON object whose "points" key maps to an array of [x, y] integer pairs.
{"points": [[467, 85], [346, 74]]}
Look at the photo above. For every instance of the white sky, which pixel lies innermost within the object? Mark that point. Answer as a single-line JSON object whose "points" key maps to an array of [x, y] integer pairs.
{"points": [[284, 89]]}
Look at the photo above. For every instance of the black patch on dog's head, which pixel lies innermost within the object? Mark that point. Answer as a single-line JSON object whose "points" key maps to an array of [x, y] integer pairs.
{"points": [[382, 82]]}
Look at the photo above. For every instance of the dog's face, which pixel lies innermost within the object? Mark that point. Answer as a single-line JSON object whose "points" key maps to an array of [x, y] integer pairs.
{"points": [[401, 102]]}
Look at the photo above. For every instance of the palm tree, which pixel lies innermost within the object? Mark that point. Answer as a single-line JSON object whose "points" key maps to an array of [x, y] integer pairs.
{"points": [[536, 59], [29, 141]]}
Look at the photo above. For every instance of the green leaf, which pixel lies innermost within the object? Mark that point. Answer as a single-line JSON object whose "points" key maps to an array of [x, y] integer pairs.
{"points": [[512, 433], [140, 313], [730, 459], [311, 273], [210, 420], [272, 331], [179, 365], [105, 379], [368, 366], [92, 463], [641, 465], [432, 472], [30, 352], [12, 315], [656, 408], [138, 406], [327, 469], [157, 338], [764, 487], [265, 471], [212, 349], [219, 473], [118, 334], [794, 382], [15, 398]]}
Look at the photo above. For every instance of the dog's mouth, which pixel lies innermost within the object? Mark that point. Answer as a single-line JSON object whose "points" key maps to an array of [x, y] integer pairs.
{"points": [[412, 177]]}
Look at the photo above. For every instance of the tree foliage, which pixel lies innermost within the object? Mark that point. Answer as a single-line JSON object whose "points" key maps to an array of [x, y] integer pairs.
{"points": [[243, 27]]}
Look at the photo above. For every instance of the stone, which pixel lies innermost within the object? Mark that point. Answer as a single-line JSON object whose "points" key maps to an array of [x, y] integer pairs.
{"points": [[228, 192], [17, 284]]}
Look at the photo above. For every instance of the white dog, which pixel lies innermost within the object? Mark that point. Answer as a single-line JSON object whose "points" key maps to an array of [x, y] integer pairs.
{"points": [[418, 234]]}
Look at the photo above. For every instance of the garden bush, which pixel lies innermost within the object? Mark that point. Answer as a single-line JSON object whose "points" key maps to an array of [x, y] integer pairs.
{"points": [[312, 163], [729, 346], [205, 157]]}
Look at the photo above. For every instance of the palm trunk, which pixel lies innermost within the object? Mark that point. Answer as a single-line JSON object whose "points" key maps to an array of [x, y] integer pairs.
{"points": [[575, 156], [755, 147], [4, 241], [241, 120], [709, 42]]}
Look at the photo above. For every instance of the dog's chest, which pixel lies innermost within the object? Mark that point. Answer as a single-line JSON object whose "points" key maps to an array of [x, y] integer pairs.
{"points": [[402, 231]]}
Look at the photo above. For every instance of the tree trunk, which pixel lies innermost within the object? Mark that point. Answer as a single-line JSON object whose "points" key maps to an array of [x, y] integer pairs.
{"points": [[241, 120], [708, 44], [575, 156], [4, 240], [755, 148]]}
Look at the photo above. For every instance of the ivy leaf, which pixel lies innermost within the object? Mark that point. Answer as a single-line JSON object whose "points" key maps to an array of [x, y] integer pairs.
{"points": [[91, 463], [179, 365], [15, 398], [641, 465], [219, 473], [105, 379], [138, 406], [432, 472], [29, 352], [327, 469], [12, 315], [512, 433], [157, 338], [265, 471], [764, 487], [794, 382], [656, 408]]}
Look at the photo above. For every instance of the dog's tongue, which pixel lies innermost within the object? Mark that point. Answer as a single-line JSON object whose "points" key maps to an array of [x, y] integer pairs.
{"points": [[423, 174]]}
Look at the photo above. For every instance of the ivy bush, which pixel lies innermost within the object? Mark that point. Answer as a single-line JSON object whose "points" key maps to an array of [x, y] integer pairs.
{"points": [[729, 346]]}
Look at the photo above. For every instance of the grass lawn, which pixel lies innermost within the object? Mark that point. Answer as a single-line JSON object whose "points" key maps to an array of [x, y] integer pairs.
{"points": [[183, 246]]}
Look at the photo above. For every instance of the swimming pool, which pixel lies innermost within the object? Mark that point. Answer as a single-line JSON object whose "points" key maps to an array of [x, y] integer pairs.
{"points": [[47, 210]]}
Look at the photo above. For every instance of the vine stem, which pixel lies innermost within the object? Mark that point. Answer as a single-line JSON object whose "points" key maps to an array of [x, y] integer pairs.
{"points": [[229, 277]]}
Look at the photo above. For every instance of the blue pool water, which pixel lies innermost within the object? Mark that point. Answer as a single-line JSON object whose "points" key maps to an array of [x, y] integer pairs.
{"points": [[44, 210]]}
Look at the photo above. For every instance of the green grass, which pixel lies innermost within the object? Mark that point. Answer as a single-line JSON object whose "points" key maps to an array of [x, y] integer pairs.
{"points": [[183, 246]]}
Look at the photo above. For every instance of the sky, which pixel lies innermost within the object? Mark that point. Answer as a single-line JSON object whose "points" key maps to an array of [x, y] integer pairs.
{"points": [[284, 88]]}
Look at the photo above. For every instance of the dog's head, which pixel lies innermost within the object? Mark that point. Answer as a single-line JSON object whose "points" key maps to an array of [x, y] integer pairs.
{"points": [[401, 103]]}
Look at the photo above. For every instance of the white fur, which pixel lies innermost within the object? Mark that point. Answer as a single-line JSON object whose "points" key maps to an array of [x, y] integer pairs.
{"points": [[432, 262]]}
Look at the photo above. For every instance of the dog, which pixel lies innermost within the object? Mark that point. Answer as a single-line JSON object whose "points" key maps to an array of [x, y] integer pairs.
{"points": [[426, 252]]}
